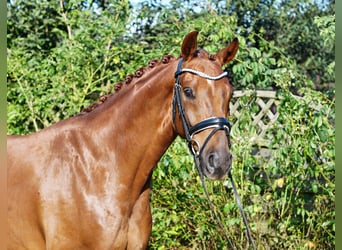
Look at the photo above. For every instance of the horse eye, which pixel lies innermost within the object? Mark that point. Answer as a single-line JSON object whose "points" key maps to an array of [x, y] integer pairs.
{"points": [[189, 93]]}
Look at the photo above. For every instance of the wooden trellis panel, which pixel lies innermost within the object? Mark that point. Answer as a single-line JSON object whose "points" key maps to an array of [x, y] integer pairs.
{"points": [[263, 106]]}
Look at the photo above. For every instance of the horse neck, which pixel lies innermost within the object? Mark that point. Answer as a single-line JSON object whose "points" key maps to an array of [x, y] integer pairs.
{"points": [[136, 123]]}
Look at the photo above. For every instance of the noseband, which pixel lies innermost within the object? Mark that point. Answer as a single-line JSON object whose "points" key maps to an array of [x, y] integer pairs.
{"points": [[215, 123]]}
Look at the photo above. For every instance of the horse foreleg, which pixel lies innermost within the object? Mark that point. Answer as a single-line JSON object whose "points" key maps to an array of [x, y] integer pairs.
{"points": [[140, 222]]}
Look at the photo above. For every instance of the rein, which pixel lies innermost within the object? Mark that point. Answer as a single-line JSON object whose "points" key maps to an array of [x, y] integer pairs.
{"points": [[215, 123]]}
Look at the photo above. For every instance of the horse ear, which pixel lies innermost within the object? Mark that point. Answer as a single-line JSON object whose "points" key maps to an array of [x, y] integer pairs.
{"points": [[225, 55], [189, 45]]}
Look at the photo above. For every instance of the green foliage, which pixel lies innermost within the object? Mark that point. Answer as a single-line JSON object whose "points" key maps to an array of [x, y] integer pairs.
{"points": [[62, 57], [84, 63], [288, 195], [307, 165]]}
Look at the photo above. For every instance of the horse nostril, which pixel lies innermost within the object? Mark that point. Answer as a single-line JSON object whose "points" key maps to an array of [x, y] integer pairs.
{"points": [[216, 164], [212, 161]]}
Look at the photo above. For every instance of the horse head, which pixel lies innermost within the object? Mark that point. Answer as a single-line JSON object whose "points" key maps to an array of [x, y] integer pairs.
{"points": [[201, 104]]}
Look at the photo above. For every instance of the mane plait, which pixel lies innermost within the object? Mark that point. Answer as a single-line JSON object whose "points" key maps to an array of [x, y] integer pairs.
{"points": [[203, 53], [141, 71], [167, 58], [128, 80], [93, 106]]}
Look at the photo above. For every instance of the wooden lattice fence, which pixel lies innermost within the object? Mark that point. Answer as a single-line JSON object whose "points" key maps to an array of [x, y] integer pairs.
{"points": [[261, 105], [261, 108]]}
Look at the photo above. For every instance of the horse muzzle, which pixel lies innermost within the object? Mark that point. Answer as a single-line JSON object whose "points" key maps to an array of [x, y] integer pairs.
{"points": [[215, 164], [214, 157]]}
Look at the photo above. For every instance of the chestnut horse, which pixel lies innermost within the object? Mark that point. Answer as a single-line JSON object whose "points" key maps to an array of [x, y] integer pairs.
{"points": [[84, 182]]}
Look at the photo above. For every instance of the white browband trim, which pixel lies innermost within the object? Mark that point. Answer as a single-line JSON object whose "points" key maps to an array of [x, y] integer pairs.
{"points": [[201, 74]]}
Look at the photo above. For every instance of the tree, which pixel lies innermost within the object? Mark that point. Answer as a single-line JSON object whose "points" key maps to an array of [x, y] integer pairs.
{"points": [[62, 49], [288, 24]]}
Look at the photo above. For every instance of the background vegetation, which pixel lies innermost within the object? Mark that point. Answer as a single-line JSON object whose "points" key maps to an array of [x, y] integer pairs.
{"points": [[63, 54]]}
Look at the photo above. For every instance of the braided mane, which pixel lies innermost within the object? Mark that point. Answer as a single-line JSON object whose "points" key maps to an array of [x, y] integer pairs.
{"points": [[129, 79]]}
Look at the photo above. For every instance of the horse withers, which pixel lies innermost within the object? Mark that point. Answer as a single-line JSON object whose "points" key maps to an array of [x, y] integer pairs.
{"points": [[84, 182]]}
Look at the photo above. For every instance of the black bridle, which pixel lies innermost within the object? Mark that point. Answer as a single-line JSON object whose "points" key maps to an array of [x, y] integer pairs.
{"points": [[214, 123]]}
